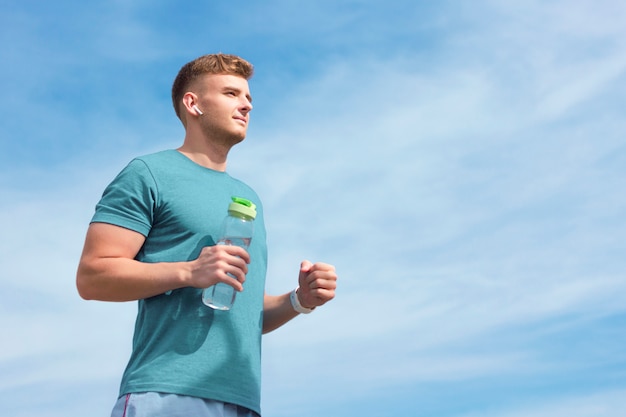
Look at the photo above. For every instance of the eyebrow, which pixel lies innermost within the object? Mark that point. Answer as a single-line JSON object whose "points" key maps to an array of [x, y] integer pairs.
{"points": [[237, 90]]}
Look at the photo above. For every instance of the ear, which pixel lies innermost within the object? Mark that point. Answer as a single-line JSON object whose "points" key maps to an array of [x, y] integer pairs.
{"points": [[189, 101]]}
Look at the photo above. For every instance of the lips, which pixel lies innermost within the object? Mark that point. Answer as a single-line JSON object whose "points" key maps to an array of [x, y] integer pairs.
{"points": [[241, 119]]}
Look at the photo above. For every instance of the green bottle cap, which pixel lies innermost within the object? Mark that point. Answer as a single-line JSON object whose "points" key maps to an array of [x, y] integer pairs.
{"points": [[242, 206]]}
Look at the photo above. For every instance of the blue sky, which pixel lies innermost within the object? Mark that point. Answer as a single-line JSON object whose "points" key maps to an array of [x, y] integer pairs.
{"points": [[461, 163]]}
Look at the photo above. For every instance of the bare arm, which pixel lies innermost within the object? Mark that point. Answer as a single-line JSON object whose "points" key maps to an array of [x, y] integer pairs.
{"points": [[107, 270], [317, 284]]}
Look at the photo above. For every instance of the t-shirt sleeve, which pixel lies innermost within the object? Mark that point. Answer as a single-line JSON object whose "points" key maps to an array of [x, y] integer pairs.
{"points": [[130, 200]]}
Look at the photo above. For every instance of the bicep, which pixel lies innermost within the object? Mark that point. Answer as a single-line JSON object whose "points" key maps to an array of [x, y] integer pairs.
{"points": [[106, 240], [108, 255]]}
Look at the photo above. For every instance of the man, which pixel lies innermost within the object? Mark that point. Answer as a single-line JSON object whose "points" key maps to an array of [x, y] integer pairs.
{"points": [[152, 239]]}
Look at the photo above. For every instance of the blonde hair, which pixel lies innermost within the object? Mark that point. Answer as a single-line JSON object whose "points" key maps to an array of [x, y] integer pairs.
{"points": [[207, 64]]}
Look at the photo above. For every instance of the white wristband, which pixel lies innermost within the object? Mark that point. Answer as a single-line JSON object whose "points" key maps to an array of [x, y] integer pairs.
{"points": [[295, 303]]}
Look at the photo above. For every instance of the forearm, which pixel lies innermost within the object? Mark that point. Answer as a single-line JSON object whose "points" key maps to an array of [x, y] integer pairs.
{"points": [[108, 270], [120, 279], [277, 310], [317, 283]]}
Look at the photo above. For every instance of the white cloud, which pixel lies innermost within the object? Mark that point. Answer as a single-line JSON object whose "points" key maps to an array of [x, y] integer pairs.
{"points": [[502, 230], [470, 198]]}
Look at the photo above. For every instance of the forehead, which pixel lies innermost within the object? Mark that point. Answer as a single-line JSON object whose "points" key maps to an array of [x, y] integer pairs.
{"points": [[222, 81]]}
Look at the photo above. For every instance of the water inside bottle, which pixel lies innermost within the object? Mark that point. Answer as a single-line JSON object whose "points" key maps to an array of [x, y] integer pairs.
{"points": [[222, 296], [242, 242]]}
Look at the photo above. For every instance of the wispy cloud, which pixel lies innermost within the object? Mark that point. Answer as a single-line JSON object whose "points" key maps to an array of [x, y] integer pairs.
{"points": [[466, 181]]}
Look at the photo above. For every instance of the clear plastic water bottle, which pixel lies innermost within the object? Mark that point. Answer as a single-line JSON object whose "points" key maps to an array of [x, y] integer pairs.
{"points": [[237, 230]]}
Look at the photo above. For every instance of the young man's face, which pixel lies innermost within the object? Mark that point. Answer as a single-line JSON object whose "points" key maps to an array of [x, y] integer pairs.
{"points": [[225, 102]]}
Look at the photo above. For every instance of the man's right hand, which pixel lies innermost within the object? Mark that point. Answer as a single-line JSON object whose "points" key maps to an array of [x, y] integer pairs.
{"points": [[108, 271], [220, 263]]}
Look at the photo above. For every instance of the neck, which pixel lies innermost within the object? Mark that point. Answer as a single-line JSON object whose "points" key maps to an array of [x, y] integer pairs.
{"points": [[205, 153]]}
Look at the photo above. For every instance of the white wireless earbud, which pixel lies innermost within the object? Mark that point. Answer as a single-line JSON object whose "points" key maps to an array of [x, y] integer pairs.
{"points": [[197, 110]]}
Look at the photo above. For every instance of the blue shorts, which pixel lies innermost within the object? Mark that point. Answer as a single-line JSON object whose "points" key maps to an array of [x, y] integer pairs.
{"points": [[156, 404]]}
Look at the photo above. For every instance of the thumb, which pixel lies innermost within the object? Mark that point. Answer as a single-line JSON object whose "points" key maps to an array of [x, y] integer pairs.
{"points": [[305, 266]]}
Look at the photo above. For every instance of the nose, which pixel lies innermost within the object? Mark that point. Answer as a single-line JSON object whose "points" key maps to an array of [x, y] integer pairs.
{"points": [[246, 105]]}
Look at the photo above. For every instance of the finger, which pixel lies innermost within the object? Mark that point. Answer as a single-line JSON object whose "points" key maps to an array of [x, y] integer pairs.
{"points": [[322, 284], [236, 251], [233, 282], [324, 294], [319, 297], [239, 263], [321, 266], [319, 276], [232, 276]]}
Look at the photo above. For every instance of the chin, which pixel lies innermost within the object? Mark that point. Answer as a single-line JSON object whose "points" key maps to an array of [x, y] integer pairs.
{"points": [[235, 139]]}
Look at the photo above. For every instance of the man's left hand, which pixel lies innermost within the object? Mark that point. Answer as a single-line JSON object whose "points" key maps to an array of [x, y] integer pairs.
{"points": [[317, 282]]}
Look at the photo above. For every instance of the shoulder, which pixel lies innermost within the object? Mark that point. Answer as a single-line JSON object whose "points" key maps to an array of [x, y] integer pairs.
{"points": [[157, 158], [158, 164]]}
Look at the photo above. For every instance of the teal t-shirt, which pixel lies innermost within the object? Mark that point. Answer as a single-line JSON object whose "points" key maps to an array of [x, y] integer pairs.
{"points": [[181, 346]]}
